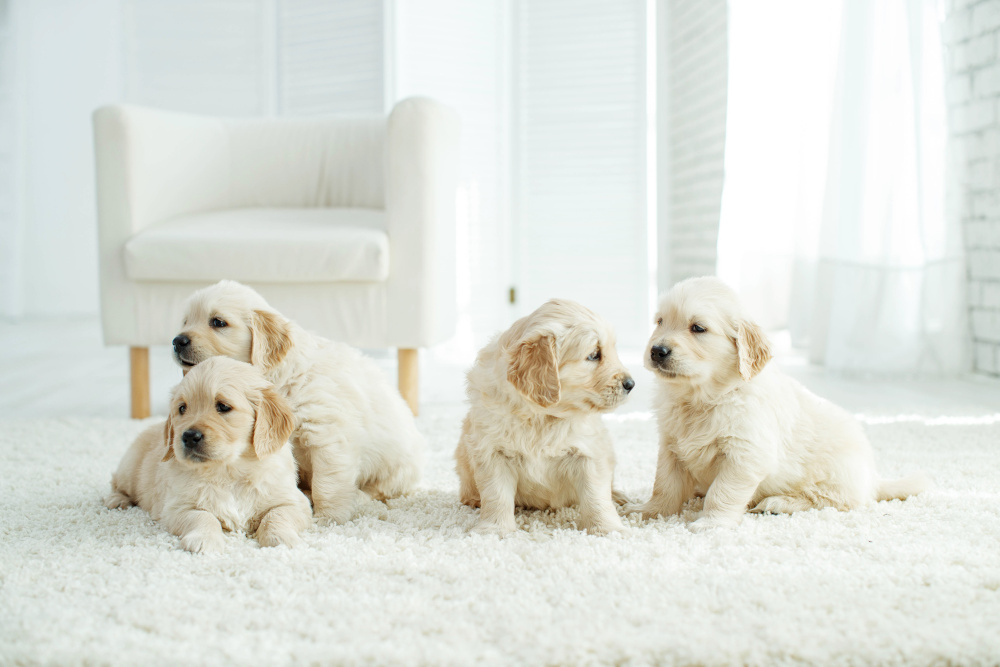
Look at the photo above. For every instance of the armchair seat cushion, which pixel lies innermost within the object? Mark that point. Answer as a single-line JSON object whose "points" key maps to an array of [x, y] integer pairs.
{"points": [[263, 245]]}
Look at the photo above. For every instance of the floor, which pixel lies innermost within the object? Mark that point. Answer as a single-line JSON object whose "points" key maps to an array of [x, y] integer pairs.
{"points": [[61, 368], [405, 582]]}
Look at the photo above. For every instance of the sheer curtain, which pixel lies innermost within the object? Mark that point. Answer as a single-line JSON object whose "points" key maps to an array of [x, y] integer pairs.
{"points": [[834, 221]]}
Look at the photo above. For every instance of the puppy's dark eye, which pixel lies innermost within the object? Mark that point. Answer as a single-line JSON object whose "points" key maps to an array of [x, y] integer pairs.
{"points": [[181, 409], [222, 407], [218, 323], [697, 328], [595, 355], [659, 322]]}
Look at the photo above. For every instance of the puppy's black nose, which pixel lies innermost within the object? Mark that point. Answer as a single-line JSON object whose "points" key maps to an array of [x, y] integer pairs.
{"points": [[192, 438], [659, 352], [181, 341], [628, 383]]}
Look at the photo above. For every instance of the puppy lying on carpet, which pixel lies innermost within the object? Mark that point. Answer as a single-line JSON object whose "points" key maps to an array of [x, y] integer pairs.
{"points": [[352, 428], [740, 432], [220, 462], [533, 436]]}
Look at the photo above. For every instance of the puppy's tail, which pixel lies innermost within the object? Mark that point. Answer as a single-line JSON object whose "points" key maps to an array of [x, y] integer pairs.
{"points": [[901, 489]]}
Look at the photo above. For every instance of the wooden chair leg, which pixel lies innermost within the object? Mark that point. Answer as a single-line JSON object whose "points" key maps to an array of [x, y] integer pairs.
{"points": [[139, 365], [409, 385]]}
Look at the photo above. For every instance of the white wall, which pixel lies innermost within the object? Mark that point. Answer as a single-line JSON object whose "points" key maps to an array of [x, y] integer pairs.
{"points": [[67, 63], [456, 51]]}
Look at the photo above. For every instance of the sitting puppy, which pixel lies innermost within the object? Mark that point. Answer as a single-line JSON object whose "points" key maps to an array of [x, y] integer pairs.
{"points": [[352, 428], [738, 431], [533, 436], [221, 462]]}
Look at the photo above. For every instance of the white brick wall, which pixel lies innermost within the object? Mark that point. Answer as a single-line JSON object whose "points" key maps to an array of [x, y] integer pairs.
{"points": [[971, 33]]}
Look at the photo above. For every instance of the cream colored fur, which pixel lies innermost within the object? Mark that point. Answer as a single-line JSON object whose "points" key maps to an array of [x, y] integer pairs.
{"points": [[240, 477], [533, 436], [735, 429], [352, 428]]}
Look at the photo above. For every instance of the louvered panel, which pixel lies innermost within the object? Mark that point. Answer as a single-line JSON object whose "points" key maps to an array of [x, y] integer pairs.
{"points": [[580, 158], [696, 80], [200, 56], [453, 51], [9, 224], [331, 57], [6, 118]]}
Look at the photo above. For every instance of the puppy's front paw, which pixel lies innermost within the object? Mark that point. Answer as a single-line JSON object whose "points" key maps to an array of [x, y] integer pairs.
{"points": [[606, 525], [330, 514], [203, 541], [639, 508], [648, 512], [619, 498], [275, 538], [495, 528], [712, 522]]}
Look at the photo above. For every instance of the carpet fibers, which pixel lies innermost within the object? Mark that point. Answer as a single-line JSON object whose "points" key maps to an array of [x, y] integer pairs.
{"points": [[915, 582]]}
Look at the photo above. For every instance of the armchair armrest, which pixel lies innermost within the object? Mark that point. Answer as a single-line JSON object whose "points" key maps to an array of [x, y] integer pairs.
{"points": [[420, 188], [151, 165]]}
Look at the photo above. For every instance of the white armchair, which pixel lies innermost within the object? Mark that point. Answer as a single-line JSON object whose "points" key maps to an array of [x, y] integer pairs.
{"points": [[346, 225]]}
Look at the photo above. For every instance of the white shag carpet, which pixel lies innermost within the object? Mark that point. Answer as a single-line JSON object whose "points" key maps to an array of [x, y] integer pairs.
{"points": [[915, 582]]}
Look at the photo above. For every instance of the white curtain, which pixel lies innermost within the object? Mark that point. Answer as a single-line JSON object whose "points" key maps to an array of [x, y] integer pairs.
{"points": [[834, 222]]}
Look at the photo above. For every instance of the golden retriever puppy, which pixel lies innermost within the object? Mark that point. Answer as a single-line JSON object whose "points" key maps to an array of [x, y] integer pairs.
{"points": [[533, 436], [352, 428], [220, 462], [737, 430]]}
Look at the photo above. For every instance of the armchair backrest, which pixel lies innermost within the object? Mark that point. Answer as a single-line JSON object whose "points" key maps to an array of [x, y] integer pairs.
{"points": [[169, 164], [332, 162]]}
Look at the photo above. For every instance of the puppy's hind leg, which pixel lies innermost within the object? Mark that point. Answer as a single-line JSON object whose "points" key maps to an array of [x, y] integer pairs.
{"points": [[467, 491], [116, 500], [395, 479], [334, 482], [782, 505]]}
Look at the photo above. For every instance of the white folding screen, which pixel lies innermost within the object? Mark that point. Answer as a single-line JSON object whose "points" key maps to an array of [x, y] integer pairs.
{"points": [[692, 45], [200, 56], [580, 158], [10, 225], [331, 57], [256, 57]]}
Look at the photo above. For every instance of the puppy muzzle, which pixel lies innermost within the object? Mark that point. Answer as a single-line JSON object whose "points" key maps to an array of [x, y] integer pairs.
{"points": [[194, 445], [182, 351], [660, 356], [661, 360]]}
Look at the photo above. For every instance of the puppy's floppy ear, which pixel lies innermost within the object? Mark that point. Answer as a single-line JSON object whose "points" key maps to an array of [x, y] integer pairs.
{"points": [[533, 370], [168, 439], [274, 423], [269, 339], [753, 349]]}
